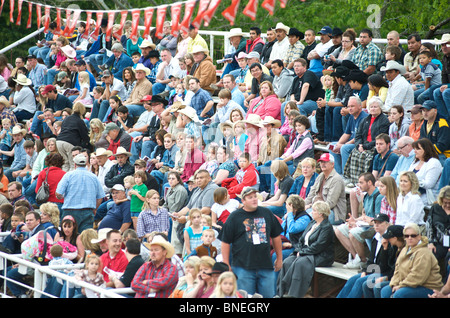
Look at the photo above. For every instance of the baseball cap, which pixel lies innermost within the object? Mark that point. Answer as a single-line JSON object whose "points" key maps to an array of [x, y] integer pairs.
{"points": [[393, 231], [381, 218], [48, 88], [80, 62], [246, 191], [106, 73], [253, 55], [118, 187], [415, 109], [80, 160], [326, 157], [326, 30], [429, 104], [140, 162]]}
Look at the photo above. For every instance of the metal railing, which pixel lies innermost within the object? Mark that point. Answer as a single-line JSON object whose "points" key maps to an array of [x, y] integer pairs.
{"points": [[41, 273]]}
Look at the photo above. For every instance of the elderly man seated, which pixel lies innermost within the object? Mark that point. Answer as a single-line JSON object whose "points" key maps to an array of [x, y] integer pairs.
{"points": [[118, 216]]}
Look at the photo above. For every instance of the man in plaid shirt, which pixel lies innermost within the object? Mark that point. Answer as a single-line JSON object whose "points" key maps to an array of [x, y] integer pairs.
{"points": [[367, 54], [158, 277]]}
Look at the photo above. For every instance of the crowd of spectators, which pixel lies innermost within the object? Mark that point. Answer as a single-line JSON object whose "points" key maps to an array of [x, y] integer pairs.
{"points": [[167, 172]]}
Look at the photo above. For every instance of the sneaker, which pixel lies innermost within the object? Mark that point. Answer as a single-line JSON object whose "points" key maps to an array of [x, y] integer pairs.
{"points": [[352, 261]]}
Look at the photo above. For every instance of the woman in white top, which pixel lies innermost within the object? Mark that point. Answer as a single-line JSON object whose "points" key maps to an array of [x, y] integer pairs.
{"points": [[409, 203], [24, 99], [427, 168]]}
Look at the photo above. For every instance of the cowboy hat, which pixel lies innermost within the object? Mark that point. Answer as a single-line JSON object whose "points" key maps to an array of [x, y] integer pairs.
{"points": [[101, 235], [69, 51], [198, 49], [241, 55], [235, 32], [176, 106], [226, 123], [159, 240], [189, 112], [122, 151], [254, 119], [22, 80], [141, 67], [18, 130], [281, 26], [103, 152], [147, 43], [445, 39], [393, 65], [270, 120], [4, 101]]}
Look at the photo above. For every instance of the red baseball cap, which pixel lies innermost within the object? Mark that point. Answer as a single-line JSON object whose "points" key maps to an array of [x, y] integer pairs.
{"points": [[326, 157], [48, 88], [146, 98]]}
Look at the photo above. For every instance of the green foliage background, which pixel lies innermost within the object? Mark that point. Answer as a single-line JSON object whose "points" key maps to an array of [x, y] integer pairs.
{"points": [[405, 16]]}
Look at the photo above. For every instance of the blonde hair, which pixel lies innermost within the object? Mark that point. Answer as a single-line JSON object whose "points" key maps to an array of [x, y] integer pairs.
{"points": [[90, 258], [194, 211], [129, 179], [148, 195], [83, 77], [325, 77], [218, 292], [52, 210], [207, 261], [79, 109], [207, 219], [6, 120], [322, 208], [411, 226], [94, 137], [309, 160], [444, 193], [209, 231], [391, 191], [279, 169], [413, 179]]}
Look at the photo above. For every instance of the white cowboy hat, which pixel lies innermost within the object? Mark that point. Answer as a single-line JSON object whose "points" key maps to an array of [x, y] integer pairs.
{"points": [[159, 240], [235, 32], [22, 80], [103, 152], [4, 101], [393, 65], [101, 235], [189, 112], [226, 123], [270, 120], [445, 39], [122, 151], [254, 119], [199, 48], [147, 43], [141, 67], [18, 130], [281, 26], [69, 51]]}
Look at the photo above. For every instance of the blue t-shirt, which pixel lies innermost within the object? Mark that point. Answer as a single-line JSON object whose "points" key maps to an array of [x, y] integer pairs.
{"points": [[390, 159], [352, 124], [362, 93], [369, 202]]}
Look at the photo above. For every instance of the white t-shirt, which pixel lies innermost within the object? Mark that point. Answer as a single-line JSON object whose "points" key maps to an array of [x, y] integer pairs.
{"points": [[230, 206]]}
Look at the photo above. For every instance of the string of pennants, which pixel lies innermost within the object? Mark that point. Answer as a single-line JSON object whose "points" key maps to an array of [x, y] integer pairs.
{"points": [[206, 10]]}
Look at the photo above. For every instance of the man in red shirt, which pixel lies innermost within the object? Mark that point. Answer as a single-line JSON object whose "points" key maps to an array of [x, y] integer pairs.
{"points": [[114, 262]]}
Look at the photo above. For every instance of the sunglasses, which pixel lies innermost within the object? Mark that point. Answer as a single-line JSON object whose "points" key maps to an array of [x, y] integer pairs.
{"points": [[411, 235]]}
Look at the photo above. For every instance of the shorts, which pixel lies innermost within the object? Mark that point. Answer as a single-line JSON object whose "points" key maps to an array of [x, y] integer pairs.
{"points": [[361, 233], [135, 214]]}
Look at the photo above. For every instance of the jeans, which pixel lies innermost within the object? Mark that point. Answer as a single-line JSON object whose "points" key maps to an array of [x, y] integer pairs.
{"points": [[372, 289], [83, 217], [354, 286], [16, 290], [259, 281], [23, 115], [307, 107], [135, 110], [158, 88], [445, 177], [141, 149], [97, 59], [333, 129], [99, 110], [279, 211], [406, 292], [442, 100], [340, 159], [50, 77], [423, 94]]}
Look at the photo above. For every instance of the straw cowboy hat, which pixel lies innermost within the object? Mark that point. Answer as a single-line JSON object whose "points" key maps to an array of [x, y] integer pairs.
{"points": [[4, 101], [254, 119], [22, 80], [69, 51], [18, 130], [101, 235], [445, 39], [159, 240], [147, 43], [393, 65], [270, 120], [281, 26], [226, 123], [176, 106], [189, 112], [141, 67], [103, 152], [122, 151], [198, 49], [235, 32]]}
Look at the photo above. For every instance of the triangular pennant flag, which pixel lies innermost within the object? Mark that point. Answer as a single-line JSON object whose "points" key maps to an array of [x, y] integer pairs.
{"points": [[11, 11], [19, 12], [38, 14], [88, 21], [46, 18], [118, 32], [96, 32], [188, 10], [269, 5], [67, 27], [230, 12], [30, 14], [202, 7], [148, 15], [213, 5], [74, 21], [250, 9], [58, 22], [160, 18], [1, 8], [109, 27], [283, 3], [175, 12], [135, 14]]}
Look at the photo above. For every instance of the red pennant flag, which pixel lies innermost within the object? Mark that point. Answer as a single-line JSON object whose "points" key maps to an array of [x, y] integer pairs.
{"points": [[202, 7], [118, 33], [73, 22], [19, 12], [283, 3], [58, 22], [210, 12], [269, 5], [110, 25], [148, 15], [1, 8], [88, 21], [46, 18], [38, 14], [175, 12], [66, 28], [160, 18], [30, 10], [11, 10], [250, 9], [188, 10], [135, 14], [230, 12], [97, 26]]}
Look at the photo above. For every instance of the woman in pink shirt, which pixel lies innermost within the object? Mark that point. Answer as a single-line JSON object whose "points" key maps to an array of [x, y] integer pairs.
{"points": [[267, 103]]}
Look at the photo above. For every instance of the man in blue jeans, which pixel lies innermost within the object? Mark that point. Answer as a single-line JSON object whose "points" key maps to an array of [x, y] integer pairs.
{"points": [[247, 236]]}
